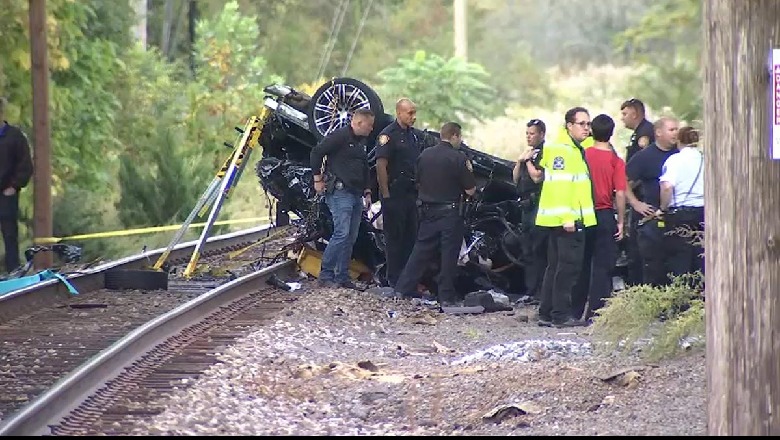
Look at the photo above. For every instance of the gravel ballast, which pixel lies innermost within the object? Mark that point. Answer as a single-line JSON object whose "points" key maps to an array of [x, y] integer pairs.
{"points": [[340, 362]]}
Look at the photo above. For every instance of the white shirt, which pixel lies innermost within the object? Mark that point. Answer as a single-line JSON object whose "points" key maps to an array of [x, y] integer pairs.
{"points": [[685, 171]]}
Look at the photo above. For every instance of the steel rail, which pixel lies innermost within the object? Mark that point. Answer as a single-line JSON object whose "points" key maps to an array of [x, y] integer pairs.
{"points": [[68, 393], [45, 293]]}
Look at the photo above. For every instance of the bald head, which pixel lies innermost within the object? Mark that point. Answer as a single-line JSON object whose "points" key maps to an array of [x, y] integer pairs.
{"points": [[666, 130], [405, 112]]}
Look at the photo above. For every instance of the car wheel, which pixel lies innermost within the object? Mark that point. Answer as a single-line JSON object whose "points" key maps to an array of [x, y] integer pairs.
{"points": [[332, 105]]}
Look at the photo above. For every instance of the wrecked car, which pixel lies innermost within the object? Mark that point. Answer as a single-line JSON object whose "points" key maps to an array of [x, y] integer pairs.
{"points": [[491, 256]]}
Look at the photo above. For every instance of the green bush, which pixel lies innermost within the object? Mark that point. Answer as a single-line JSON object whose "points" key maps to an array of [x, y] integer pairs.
{"points": [[667, 316]]}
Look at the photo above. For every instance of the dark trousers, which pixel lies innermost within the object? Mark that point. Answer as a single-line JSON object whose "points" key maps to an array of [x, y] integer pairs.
{"points": [[564, 263], [534, 255], [651, 244], [599, 258], [440, 230], [634, 269], [399, 220], [684, 254], [9, 225]]}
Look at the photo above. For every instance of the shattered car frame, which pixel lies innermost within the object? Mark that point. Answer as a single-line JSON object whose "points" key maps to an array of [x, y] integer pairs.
{"points": [[491, 256]]}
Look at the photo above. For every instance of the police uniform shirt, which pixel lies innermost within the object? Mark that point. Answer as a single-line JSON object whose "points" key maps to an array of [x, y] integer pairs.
{"points": [[401, 147], [347, 158], [646, 167], [525, 184], [444, 173], [644, 129]]}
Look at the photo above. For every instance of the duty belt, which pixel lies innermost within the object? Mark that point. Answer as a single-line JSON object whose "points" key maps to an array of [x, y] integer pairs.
{"points": [[439, 206]]}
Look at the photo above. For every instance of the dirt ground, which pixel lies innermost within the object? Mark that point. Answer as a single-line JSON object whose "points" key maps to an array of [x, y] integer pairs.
{"points": [[340, 362]]}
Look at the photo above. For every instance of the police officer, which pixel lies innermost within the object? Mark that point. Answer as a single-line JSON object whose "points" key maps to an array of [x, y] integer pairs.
{"points": [[643, 171], [444, 175], [682, 205], [398, 147], [347, 193], [534, 244], [565, 209], [632, 113], [15, 172]]}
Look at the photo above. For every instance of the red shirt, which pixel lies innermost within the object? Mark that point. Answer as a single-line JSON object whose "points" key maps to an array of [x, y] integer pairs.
{"points": [[608, 174]]}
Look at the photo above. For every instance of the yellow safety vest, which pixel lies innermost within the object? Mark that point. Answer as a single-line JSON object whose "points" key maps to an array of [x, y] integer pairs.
{"points": [[588, 142], [566, 193]]}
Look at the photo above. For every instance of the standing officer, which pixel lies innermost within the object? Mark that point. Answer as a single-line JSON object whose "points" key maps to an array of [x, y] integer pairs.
{"points": [[534, 239], [15, 172], [347, 182], [565, 210], [643, 171], [632, 113], [444, 175], [398, 147], [682, 205]]}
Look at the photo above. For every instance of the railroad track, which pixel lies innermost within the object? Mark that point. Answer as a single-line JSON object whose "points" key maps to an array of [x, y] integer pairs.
{"points": [[49, 292], [57, 355]]}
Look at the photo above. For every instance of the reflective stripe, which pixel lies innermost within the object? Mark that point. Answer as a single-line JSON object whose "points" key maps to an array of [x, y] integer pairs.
{"points": [[561, 211], [565, 177]]}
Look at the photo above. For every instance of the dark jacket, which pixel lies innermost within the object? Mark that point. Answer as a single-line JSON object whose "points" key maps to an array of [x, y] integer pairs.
{"points": [[347, 158], [15, 160]]}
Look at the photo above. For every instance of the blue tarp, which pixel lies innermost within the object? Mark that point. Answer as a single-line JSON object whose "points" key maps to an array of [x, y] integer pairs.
{"points": [[15, 284]]}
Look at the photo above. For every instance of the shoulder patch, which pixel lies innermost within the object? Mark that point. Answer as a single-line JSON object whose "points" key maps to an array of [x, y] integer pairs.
{"points": [[468, 166], [382, 139], [558, 163]]}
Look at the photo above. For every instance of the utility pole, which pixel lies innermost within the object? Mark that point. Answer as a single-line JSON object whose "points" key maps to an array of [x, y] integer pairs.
{"points": [[460, 29], [42, 218], [741, 201]]}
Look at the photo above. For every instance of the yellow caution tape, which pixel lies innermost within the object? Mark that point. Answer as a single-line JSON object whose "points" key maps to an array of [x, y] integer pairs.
{"points": [[234, 254], [122, 233]]}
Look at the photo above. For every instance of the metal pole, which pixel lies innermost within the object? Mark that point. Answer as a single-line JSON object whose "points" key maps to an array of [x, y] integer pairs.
{"points": [[204, 198], [42, 217], [251, 135]]}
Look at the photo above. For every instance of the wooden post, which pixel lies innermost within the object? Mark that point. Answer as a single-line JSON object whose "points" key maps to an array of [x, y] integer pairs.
{"points": [[742, 204], [42, 216]]}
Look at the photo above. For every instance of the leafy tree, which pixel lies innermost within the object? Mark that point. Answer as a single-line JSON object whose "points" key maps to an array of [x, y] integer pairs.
{"points": [[667, 42], [179, 136], [166, 188], [444, 89]]}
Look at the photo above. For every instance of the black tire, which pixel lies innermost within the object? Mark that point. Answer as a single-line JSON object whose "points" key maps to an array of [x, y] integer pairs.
{"points": [[320, 103], [136, 279]]}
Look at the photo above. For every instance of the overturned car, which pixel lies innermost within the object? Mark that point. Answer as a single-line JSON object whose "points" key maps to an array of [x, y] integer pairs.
{"points": [[491, 255]]}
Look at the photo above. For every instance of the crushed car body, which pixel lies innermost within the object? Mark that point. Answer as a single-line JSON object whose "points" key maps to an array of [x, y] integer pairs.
{"points": [[491, 255]]}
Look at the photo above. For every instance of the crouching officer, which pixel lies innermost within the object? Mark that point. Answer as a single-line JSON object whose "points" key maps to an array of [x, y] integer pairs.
{"points": [[444, 174]]}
